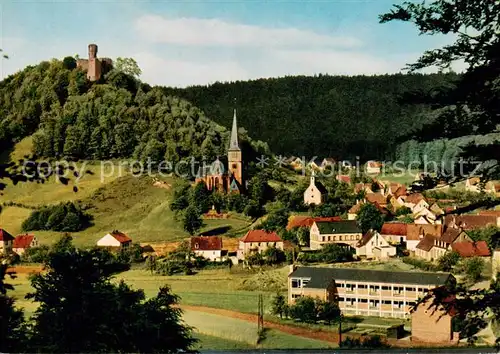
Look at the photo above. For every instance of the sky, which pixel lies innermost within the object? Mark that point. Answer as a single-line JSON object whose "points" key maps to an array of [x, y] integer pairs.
{"points": [[182, 43]]}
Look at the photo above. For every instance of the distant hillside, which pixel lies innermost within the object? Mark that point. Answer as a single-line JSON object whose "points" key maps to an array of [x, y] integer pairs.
{"points": [[335, 116]]}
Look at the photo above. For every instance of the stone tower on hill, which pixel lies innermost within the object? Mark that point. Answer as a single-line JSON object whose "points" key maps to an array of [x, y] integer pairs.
{"points": [[95, 67]]}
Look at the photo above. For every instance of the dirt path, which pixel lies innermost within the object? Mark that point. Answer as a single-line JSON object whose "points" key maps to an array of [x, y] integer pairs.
{"points": [[327, 336]]}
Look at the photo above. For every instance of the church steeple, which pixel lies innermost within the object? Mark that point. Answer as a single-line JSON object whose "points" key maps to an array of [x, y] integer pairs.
{"points": [[235, 162], [233, 145]]}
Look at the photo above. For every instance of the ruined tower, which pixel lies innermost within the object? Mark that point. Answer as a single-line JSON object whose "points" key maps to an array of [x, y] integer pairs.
{"points": [[234, 154], [94, 67]]}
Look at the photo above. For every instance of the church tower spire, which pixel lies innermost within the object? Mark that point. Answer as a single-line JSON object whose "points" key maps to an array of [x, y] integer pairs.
{"points": [[234, 146], [234, 157]]}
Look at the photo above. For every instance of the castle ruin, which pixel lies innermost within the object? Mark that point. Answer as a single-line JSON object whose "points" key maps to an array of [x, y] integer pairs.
{"points": [[94, 67]]}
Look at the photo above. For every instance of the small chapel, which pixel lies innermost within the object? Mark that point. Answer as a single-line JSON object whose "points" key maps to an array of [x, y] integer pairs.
{"points": [[217, 177]]}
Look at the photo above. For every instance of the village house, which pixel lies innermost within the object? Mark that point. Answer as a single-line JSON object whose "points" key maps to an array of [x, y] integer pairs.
{"points": [[343, 178], [374, 246], [115, 239], [315, 193], [423, 215], [376, 198], [297, 163], [257, 241], [394, 232], [472, 221], [416, 200], [209, 247], [327, 161], [431, 248], [373, 167], [364, 292], [306, 221], [395, 189], [473, 184], [492, 187], [416, 232], [433, 324], [353, 212], [363, 187], [340, 232], [6, 241], [468, 249], [23, 242]]}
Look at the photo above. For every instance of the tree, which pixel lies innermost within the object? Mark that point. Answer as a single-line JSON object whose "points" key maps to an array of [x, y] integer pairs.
{"points": [[328, 311], [81, 310], [13, 333], [448, 261], [369, 218], [473, 103], [279, 305], [192, 221], [472, 268], [304, 309], [273, 255], [128, 66]]}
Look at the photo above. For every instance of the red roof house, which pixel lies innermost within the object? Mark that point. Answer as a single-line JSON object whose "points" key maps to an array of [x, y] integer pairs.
{"points": [[344, 178], [257, 241], [394, 228], [206, 243], [260, 236], [471, 249], [307, 221], [23, 242], [115, 239]]}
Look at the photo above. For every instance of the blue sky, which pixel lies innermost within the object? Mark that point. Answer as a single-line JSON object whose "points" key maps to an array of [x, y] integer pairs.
{"points": [[180, 43]]}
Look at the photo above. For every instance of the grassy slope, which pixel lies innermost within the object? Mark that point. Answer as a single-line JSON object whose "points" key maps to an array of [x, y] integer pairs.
{"points": [[120, 201]]}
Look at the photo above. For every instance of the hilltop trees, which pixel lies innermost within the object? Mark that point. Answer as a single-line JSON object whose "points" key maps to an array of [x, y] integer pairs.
{"points": [[312, 116]]}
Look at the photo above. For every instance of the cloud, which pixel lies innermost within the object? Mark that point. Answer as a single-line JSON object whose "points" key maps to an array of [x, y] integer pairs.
{"points": [[214, 32], [160, 71]]}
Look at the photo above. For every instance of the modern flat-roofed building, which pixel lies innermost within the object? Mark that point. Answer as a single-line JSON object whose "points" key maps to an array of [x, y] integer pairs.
{"points": [[364, 292]]}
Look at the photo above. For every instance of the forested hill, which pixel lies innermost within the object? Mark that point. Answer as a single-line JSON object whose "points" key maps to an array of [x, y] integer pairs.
{"points": [[117, 117], [337, 116]]}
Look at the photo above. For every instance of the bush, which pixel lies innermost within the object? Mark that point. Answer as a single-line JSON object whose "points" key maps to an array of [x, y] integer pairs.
{"points": [[65, 217], [330, 253], [370, 342], [420, 263], [36, 254]]}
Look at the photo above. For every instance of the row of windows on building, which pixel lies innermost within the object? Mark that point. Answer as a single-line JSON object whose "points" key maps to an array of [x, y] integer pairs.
{"points": [[376, 288], [375, 303], [270, 244], [300, 283], [339, 238]]}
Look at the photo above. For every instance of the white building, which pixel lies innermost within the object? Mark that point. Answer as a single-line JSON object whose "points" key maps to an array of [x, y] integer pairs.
{"points": [[373, 245], [315, 193], [209, 247], [115, 239]]}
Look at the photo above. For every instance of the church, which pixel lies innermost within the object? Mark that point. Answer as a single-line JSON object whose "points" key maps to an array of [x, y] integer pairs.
{"points": [[230, 179]]}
